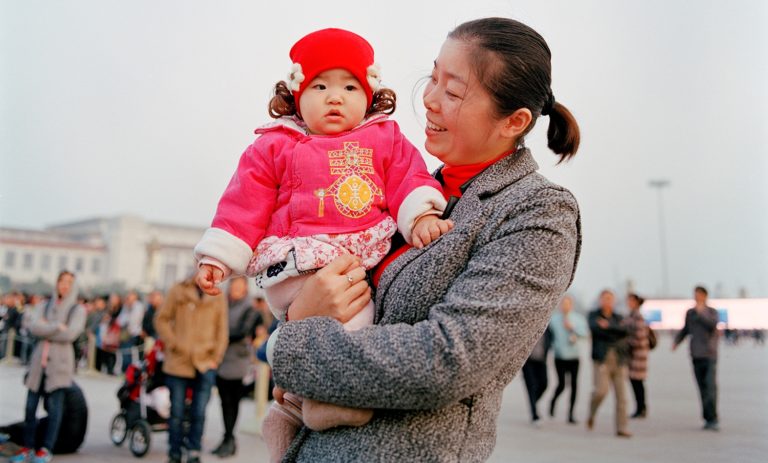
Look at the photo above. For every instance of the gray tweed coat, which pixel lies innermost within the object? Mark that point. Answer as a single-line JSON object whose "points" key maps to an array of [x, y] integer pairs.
{"points": [[455, 322]]}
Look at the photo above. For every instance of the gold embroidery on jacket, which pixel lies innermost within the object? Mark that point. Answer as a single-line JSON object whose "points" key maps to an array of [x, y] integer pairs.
{"points": [[354, 191]]}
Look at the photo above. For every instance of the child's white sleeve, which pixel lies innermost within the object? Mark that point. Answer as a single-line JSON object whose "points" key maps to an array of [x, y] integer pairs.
{"points": [[423, 200], [224, 250]]}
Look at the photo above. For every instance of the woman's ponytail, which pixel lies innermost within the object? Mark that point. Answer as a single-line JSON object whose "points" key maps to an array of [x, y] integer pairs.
{"points": [[563, 134]]}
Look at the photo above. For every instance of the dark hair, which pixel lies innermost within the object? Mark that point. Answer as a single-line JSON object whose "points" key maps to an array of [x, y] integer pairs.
{"points": [[283, 103], [701, 289], [637, 298], [64, 273], [512, 62]]}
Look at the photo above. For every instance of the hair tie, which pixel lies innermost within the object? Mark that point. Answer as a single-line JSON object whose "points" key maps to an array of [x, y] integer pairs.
{"points": [[549, 104]]}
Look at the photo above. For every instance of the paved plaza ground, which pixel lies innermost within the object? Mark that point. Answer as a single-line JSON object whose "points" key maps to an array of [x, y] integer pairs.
{"points": [[671, 433]]}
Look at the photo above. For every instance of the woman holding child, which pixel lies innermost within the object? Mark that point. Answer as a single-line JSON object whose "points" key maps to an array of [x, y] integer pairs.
{"points": [[455, 320]]}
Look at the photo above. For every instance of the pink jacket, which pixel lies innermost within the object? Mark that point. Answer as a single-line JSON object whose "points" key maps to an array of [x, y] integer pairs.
{"points": [[291, 184]]}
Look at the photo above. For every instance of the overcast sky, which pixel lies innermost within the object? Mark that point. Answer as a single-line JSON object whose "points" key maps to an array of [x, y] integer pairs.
{"points": [[144, 107]]}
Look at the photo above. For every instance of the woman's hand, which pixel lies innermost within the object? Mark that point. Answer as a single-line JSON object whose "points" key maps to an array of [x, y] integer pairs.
{"points": [[339, 290], [208, 276]]}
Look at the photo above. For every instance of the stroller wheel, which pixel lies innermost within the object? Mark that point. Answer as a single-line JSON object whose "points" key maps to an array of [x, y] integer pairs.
{"points": [[141, 437], [119, 429]]}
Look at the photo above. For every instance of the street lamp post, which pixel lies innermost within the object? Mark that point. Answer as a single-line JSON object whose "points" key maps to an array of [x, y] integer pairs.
{"points": [[659, 185]]}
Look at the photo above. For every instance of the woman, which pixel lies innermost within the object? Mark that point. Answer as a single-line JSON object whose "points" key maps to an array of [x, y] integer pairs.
{"points": [[567, 327], [242, 319], [455, 319], [639, 349]]}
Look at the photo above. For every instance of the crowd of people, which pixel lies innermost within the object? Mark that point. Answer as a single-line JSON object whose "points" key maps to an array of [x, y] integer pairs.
{"points": [[56, 329], [120, 324], [620, 348]]}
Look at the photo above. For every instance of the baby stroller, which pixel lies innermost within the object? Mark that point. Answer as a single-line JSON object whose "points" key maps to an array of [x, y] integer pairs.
{"points": [[145, 404]]}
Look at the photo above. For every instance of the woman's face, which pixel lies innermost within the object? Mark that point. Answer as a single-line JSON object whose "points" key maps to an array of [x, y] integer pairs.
{"points": [[462, 127]]}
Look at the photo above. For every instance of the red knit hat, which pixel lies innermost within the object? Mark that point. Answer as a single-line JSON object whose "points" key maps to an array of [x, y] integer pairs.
{"points": [[329, 49]]}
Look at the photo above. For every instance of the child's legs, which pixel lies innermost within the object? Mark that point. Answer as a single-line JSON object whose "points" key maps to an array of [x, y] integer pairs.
{"points": [[362, 319], [280, 295], [317, 416], [281, 425]]}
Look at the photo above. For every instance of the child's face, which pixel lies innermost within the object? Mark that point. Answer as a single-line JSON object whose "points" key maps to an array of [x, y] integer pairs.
{"points": [[333, 102]]}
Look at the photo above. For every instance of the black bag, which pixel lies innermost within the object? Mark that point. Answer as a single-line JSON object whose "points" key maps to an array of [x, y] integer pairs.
{"points": [[652, 341]]}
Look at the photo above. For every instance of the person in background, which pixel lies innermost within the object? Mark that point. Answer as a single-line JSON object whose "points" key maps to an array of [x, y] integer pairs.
{"points": [[148, 333], [10, 321], [609, 353], [639, 348], [567, 328], [130, 321], [535, 373], [193, 327], [25, 337], [701, 325], [237, 360], [108, 335], [56, 324]]}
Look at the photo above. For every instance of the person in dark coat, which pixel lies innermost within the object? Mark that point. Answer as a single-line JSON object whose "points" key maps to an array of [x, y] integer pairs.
{"points": [[701, 325], [535, 373], [609, 354]]}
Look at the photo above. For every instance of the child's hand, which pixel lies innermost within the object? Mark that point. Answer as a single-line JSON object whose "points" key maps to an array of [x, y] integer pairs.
{"points": [[208, 276], [428, 228]]}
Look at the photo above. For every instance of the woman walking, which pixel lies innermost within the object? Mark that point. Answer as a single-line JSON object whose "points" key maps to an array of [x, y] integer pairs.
{"points": [[639, 347], [567, 328]]}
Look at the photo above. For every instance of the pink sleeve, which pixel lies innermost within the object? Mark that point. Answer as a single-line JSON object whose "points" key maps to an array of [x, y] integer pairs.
{"points": [[244, 210], [410, 190]]}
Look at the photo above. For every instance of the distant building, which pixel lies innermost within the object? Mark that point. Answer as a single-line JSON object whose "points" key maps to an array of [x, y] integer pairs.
{"points": [[103, 251]]}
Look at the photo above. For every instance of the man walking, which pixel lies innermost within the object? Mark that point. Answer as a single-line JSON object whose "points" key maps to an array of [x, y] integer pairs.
{"points": [[701, 325], [609, 353]]}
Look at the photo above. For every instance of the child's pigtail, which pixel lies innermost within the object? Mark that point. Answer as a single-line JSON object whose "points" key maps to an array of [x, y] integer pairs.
{"points": [[283, 103], [384, 101]]}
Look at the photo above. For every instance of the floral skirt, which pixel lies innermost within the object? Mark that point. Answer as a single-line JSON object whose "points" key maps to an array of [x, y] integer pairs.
{"points": [[301, 254]]}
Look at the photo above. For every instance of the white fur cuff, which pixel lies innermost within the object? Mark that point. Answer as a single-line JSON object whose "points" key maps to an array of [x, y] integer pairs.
{"points": [[226, 248]]}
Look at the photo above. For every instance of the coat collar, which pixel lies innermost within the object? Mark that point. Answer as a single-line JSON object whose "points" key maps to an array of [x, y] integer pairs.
{"points": [[503, 173]]}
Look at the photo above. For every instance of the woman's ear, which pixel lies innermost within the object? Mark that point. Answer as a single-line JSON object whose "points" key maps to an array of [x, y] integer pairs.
{"points": [[516, 123]]}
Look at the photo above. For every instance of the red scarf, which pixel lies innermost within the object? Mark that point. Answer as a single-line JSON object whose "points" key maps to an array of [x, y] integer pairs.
{"points": [[456, 176]]}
